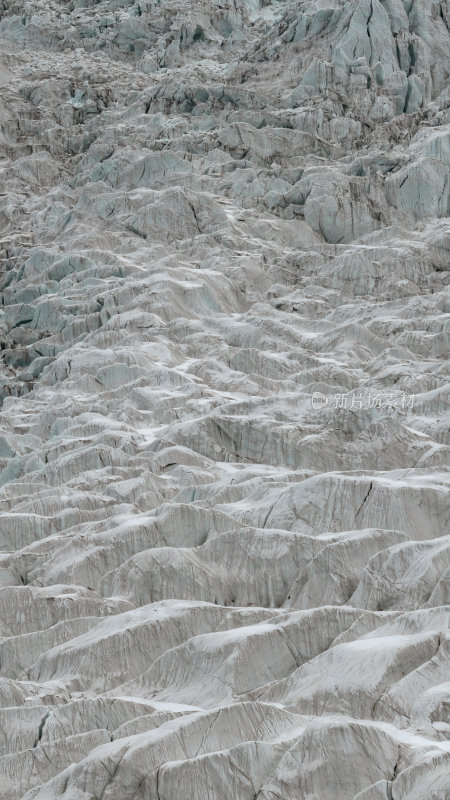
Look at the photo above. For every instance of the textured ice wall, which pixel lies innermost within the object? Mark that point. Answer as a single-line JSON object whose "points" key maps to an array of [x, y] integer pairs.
{"points": [[224, 528]]}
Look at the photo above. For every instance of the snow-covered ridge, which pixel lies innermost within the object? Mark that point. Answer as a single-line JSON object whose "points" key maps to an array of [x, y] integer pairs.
{"points": [[224, 494]]}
